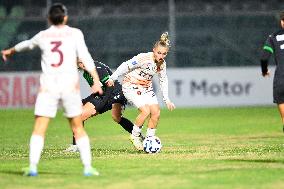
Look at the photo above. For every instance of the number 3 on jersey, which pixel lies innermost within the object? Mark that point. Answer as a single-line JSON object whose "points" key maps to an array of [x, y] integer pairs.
{"points": [[55, 49]]}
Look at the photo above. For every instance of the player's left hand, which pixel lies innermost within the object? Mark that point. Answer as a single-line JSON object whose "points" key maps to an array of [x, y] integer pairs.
{"points": [[170, 105], [110, 82]]}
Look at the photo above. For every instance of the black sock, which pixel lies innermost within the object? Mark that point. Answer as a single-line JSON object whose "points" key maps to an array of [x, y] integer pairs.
{"points": [[74, 140], [126, 124]]}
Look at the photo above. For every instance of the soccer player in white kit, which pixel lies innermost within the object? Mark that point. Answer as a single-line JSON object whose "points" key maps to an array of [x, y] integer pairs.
{"points": [[60, 46], [137, 87]]}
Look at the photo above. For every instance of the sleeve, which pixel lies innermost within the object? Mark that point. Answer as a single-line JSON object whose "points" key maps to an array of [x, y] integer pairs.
{"points": [[88, 78], [83, 53], [267, 51], [28, 44], [163, 79], [103, 74], [126, 67], [268, 45], [108, 70]]}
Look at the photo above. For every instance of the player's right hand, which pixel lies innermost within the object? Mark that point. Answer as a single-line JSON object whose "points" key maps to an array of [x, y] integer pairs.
{"points": [[267, 74], [96, 88], [170, 105], [110, 82]]}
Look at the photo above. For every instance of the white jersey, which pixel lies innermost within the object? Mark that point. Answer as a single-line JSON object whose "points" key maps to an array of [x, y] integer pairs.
{"points": [[60, 46], [140, 70]]}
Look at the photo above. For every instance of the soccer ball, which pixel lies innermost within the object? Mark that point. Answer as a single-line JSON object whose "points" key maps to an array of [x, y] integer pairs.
{"points": [[152, 144]]}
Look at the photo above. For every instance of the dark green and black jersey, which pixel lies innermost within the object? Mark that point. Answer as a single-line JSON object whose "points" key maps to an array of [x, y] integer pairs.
{"points": [[103, 71], [274, 45], [111, 95]]}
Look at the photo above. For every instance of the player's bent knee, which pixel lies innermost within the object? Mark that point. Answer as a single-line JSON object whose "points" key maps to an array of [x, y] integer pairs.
{"points": [[155, 116], [86, 115], [115, 118], [145, 112], [155, 113]]}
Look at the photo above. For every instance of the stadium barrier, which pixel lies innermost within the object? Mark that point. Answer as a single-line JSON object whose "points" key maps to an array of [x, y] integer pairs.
{"points": [[188, 87]]}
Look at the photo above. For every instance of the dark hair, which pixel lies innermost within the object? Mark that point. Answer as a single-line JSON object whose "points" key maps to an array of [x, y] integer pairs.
{"points": [[282, 15], [56, 13]]}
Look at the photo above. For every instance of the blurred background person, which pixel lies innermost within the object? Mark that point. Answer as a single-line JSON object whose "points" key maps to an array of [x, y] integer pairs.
{"points": [[274, 46]]}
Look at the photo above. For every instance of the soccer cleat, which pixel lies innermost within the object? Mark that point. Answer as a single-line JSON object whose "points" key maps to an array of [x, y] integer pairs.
{"points": [[91, 172], [72, 148], [29, 172], [137, 141]]}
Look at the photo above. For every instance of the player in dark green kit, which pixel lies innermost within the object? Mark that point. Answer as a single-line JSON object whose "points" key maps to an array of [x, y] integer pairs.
{"points": [[112, 99], [274, 45]]}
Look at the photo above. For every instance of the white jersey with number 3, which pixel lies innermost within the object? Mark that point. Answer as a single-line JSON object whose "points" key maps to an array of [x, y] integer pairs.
{"points": [[60, 47]]}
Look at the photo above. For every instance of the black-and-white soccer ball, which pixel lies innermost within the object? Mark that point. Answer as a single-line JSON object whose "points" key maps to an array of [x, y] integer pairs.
{"points": [[152, 144]]}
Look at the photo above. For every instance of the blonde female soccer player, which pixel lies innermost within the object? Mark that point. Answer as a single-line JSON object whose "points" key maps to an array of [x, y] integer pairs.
{"points": [[138, 89]]}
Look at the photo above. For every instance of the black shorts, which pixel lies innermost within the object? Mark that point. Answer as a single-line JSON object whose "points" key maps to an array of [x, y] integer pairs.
{"points": [[278, 92], [98, 101]]}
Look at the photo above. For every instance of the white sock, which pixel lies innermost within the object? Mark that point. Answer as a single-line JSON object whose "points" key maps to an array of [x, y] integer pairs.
{"points": [[36, 146], [83, 144], [136, 131], [150, 132]]}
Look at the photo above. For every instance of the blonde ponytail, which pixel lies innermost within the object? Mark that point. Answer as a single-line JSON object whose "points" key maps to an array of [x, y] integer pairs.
{"points": [[164, 40]]}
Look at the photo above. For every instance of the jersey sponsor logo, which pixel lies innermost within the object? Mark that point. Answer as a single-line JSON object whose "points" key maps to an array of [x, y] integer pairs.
{"points": [[116, 97], [280, 38], [134, 63]]}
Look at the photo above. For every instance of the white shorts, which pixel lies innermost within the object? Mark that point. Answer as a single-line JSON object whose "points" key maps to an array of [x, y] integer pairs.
{"points": [[54, 91], [139, 96]]}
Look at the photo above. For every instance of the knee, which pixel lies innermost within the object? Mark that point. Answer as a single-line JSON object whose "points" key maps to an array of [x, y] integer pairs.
{"points": [[87, 114], [84, 116], [145, 112], [116, 118], [155, 114]]}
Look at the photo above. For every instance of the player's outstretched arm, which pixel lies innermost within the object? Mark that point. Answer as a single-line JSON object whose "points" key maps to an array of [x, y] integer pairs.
{"points": [[7, 53], [96, 87]]}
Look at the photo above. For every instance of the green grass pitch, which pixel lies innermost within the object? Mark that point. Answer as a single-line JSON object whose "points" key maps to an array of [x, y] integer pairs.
{"points": [[202, 148]]}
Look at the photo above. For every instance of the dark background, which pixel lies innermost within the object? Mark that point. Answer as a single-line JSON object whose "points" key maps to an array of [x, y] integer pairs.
{"points": [[204, 33]]}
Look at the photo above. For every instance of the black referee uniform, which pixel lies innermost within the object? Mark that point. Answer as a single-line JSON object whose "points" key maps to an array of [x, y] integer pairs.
{"points": [[274, 45]]}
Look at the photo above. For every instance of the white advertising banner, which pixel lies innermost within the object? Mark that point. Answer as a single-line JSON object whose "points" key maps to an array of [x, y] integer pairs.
{"points": [[220, 86], [188, 87]]}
